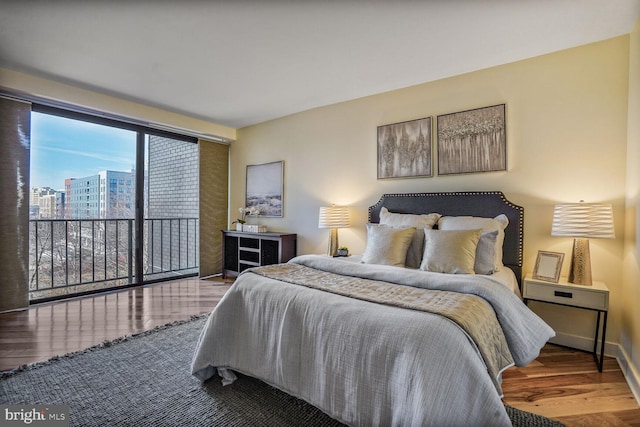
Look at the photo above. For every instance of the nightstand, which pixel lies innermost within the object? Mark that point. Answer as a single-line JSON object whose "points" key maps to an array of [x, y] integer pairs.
{"points": [[595, 298]]}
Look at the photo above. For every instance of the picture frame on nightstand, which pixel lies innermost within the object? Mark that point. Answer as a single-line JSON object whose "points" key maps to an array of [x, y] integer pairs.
{"points": [[548, 266]]}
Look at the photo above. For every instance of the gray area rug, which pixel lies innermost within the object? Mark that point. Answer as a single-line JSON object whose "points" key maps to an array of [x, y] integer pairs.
{"points": [[144, 380]]}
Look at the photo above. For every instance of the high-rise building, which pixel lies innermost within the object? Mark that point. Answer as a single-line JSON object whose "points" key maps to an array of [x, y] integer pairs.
{"points": [[37, 192], [52, 205], [85, 197], [117, 194], [45, 202], [67, 195], [109, 194]]}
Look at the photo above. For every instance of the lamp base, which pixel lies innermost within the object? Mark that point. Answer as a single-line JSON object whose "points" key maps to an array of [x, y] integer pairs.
{"points": [[333, 242], [580, 272]]}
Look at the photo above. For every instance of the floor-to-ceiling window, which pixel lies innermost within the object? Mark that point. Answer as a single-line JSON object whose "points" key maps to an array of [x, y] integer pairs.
{"points": [[111, 204]]}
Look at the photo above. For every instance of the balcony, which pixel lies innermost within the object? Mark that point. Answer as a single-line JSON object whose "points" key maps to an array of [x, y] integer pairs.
{"points": [[79, 256]]}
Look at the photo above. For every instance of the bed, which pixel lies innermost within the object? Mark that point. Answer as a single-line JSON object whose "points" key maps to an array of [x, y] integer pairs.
{"points": [[373, 341]]}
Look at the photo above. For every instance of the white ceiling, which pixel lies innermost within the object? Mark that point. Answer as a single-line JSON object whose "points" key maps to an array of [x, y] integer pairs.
{"points": [[238, 63]]}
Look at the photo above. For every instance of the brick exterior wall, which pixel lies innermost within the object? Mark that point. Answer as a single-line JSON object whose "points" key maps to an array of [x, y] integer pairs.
{"points": [[172, 192]]}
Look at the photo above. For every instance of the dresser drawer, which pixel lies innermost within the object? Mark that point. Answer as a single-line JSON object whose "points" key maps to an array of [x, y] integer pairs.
{"points": [[569, 295]]}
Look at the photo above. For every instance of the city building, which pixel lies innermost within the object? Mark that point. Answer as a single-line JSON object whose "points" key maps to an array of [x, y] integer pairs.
{"points": [[109, 194], [37, 192], [45, 202], [67, 193], [117, 194], [85, 197], [52, 205]]}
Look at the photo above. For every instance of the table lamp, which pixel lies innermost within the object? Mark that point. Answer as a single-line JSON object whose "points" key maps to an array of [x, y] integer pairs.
{"points": [[582, 221], [333, 217]]}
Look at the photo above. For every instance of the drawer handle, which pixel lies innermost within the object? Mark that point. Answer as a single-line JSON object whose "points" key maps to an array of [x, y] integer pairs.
{"points": [[563, 294]]}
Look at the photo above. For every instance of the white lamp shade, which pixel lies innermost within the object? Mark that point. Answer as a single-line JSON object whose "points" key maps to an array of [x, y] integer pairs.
{"points": [[583, 220], [333, 217]]}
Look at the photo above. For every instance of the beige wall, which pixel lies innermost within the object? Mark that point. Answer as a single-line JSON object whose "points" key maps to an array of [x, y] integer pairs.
{"points": [[567, 141], [630, 291]]}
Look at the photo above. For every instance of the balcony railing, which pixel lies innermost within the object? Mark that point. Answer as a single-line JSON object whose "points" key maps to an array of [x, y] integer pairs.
{"points": [[77, 256]]}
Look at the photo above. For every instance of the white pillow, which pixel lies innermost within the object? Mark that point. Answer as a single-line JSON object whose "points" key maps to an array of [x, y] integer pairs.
{"points": [[420, 222], [387, 245], [498, 223], [450, 251]]}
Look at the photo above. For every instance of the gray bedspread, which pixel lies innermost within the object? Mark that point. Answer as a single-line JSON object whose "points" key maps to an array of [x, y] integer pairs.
{"points": [[362, 362]]}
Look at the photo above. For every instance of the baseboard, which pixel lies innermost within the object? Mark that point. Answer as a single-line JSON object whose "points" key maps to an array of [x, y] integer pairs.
{"points": [[630, 372], [582, 343], [11, 310]]}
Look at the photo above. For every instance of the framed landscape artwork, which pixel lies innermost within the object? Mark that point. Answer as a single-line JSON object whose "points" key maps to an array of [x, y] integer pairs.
{"points": [[404, 149], [472, 141], [265, 188]]}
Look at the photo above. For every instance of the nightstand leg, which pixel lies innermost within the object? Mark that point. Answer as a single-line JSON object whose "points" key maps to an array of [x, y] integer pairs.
{"points": [[600, 362], [604, 334], [595, 340]]}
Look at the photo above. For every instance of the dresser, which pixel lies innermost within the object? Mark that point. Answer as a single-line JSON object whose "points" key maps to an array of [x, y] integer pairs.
{"points": [[242, 250]]}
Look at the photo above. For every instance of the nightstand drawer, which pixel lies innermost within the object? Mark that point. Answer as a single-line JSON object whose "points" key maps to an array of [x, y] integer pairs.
{"points": [[569, 295]]}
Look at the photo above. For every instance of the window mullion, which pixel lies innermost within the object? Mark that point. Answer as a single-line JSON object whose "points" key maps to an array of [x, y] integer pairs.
{"points": [[139, 227]]}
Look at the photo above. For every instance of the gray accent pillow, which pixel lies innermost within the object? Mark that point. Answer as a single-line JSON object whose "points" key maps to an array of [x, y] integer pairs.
{"points": [[420, 222], [486, 253], [498, 223], [387, 245], [450, 251]]}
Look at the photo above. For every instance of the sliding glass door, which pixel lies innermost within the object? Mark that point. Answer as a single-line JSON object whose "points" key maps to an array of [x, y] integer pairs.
{"points": [[111, 205]]}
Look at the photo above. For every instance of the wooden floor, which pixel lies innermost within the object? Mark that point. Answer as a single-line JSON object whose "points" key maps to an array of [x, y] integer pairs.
{"points": [[561, 383], [52, 329], [565, 385]]}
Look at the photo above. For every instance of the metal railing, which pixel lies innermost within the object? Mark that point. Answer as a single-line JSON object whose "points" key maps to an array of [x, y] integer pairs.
{"points": [[75, 256]]}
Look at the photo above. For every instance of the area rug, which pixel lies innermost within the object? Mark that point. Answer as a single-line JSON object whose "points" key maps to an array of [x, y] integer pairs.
{"points": [[144, 380]]}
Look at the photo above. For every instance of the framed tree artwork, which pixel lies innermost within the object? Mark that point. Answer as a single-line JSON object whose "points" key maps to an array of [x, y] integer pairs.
{"points": [[472, 141], [404, 149]]}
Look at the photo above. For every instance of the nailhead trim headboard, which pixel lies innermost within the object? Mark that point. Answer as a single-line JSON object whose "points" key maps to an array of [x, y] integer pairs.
{"points": [[486, 204]]}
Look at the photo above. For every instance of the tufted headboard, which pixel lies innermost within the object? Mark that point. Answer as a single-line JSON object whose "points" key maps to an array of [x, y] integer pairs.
{"points": [[486, 204]]}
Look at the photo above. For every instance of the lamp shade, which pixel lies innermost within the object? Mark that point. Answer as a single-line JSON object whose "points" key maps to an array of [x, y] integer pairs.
{"points": [[583, 220], [333, 217]]}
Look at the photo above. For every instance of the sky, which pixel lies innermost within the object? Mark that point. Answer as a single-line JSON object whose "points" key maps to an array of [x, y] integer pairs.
{"points": [[65, 148]]}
